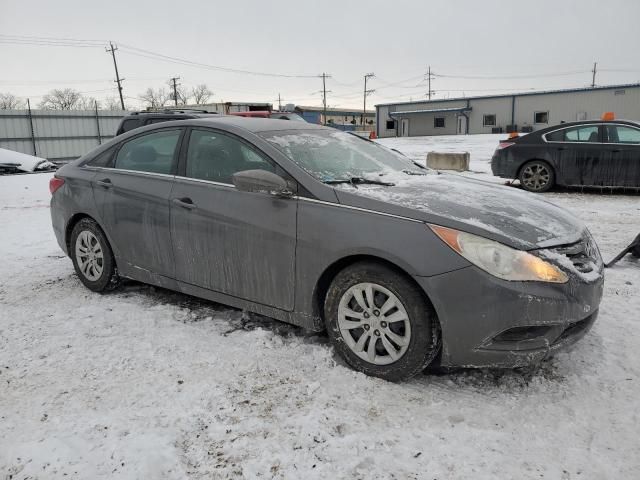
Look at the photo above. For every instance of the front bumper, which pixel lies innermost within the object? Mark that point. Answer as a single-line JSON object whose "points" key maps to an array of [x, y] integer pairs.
{"points": [[488, 322]]}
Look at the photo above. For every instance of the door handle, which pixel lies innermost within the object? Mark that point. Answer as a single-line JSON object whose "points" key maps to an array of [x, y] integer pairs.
{"points": [[106, 183], [184, 203], [561, 148], [617, 150]]}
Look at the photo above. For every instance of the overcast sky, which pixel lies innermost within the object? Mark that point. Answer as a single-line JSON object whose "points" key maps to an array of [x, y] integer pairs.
{"points": [[543, 44]]}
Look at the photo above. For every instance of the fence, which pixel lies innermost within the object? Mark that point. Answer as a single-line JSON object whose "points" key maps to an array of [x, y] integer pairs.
{"points": [[58, 135]]}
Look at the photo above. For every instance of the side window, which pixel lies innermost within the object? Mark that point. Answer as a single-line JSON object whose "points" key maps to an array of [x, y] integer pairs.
{"points": [[216, 157], [621, 134], [130, 124], [576, 134], [153, 152]]}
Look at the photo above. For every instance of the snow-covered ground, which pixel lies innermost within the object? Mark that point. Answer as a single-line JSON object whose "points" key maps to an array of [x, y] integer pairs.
{"points": [[147, 384]]}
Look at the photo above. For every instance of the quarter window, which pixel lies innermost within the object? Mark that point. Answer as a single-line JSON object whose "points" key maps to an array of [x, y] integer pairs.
{"points": [[622, 134], [153, 152], [489, 120], [438, 122], [216, 157], [541, 117], [576, 134]]}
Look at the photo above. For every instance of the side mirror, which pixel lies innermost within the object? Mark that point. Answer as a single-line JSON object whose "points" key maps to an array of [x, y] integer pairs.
{"points": [[261, 181]]}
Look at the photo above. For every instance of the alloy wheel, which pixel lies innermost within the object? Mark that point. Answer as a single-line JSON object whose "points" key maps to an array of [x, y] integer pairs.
{"points": [[374, 323], [536, 176], [89, 255]]}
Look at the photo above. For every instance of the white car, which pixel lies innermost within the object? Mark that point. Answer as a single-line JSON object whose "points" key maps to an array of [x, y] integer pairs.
{"points": [[11, 161]]}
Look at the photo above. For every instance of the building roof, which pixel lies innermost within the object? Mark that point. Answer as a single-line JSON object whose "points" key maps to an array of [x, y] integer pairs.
{"points": [[348, 111], [433, 110], [515, 94]]}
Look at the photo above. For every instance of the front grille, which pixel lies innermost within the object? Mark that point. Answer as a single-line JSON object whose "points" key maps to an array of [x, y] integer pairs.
{"points": [[583, 255]]}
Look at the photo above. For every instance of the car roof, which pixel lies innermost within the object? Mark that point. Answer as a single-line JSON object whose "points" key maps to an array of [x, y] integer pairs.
{"points": [[253, 124], [586, 122]]}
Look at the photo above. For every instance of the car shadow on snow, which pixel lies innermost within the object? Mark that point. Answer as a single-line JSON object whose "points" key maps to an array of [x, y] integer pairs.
{"points": [[200, 310]]}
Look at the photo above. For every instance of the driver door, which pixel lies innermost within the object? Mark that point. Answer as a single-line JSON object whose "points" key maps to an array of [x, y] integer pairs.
{"points": [[233, 242]]}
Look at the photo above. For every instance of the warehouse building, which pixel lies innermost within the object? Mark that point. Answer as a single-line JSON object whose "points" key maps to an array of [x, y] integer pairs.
{"points": [[523, 112]]}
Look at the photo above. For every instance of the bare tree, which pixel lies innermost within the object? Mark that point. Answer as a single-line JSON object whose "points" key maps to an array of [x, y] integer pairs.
{"points": [[57, 99], [201, 94], [111, 103], [8, 101], [86, 103], [155, 98], [183, 96]]}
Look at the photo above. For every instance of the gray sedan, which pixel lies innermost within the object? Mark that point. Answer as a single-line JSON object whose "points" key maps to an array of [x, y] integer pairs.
{"points": [[402, 265]]}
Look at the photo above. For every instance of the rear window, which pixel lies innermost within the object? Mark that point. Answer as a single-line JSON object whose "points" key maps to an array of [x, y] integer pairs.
{"points": [[130, 124]]}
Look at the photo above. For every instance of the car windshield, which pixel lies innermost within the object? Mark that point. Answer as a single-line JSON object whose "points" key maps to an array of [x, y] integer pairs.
{"points": [[333, 155]]}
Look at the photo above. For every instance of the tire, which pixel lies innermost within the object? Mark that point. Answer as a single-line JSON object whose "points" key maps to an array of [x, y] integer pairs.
{"points": [[413, 336], [97, 269], [537, 176]]}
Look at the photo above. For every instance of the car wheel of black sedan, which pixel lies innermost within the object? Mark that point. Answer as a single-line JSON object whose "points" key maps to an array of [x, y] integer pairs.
{"points": [[537, 176], [380, 322], [92, 257]]}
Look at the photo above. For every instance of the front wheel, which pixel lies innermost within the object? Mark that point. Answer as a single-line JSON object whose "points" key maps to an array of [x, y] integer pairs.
{"points": [[380, 322], [537, 176]]}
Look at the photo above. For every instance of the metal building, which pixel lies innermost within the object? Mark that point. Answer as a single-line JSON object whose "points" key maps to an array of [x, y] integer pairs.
{"points": [[523, 112]]}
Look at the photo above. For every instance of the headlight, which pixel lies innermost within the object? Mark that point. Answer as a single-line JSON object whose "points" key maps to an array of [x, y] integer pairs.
{"points": [[499, 260]]}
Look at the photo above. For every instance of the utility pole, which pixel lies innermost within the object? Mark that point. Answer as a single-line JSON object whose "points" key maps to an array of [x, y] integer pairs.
{"points": [[324, 95], [429, 77], [593, 79], [366, 92], [279, 103], [175, 90], [118, 80]]}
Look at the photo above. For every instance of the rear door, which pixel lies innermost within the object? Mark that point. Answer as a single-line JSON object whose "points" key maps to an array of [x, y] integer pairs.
{"points": [[132, 195], [238, 243], [578, 155], [623, 148]]}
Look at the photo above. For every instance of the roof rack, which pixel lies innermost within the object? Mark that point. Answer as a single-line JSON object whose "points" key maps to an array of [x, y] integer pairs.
{"points": [[173, 110]]}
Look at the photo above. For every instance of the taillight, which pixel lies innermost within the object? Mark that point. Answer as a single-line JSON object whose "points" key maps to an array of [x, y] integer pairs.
{"points": [[54, 184], [502, 145]]}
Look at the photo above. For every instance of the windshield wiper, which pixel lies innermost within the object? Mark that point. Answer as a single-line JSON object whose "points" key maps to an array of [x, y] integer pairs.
{"points": [[359, 181]]}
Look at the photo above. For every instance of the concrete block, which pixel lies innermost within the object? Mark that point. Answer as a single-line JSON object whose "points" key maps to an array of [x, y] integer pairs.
{"points": [[448, 161]]}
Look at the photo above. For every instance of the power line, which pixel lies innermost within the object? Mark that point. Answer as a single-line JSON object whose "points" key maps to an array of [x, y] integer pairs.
{"points": [[158, 56]]}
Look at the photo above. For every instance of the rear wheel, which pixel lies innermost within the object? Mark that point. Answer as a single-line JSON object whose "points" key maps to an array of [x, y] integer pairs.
{"points": [[537, 176], [380, 322], [92, 256]]}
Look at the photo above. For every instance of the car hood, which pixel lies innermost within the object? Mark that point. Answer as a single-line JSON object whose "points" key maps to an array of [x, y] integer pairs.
{"points": [[514, 217]]}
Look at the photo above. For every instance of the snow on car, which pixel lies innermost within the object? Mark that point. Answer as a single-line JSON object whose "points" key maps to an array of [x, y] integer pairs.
{"points": [[15, 161]]}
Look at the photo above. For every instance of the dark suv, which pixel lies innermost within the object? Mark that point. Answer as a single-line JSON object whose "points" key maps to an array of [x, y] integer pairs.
{"points": [[140, 119]]}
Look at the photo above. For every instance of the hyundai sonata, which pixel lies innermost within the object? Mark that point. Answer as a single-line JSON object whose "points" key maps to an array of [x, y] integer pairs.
{"points": [[402, 265]]}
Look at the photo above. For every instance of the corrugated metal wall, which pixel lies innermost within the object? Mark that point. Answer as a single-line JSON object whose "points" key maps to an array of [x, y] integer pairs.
{"points": [[57, 134]]}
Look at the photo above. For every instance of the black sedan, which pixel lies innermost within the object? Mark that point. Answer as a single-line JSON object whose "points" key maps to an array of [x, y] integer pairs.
{"points": [[591, 153]]}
